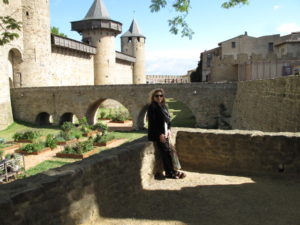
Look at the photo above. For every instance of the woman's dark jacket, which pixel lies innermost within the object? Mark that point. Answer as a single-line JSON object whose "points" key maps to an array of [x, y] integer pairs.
{"points": [[156, 121]]}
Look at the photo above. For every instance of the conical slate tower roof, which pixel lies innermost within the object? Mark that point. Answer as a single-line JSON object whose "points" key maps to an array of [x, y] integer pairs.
{"points": [[97, 11], [134, 30]]}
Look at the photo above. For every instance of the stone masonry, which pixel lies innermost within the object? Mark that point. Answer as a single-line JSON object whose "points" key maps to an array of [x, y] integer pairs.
{"points": [[113, 184], [267, 105]]}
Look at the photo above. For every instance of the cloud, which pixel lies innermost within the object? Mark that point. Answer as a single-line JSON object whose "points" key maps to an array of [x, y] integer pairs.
{"points": [[288, 28], [276, 7], [171, 62]]}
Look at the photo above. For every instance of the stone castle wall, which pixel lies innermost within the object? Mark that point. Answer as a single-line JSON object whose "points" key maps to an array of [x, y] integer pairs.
{"points": [[71, 68], [268, 105], [106, 184], [122, 73], [10, 54]]}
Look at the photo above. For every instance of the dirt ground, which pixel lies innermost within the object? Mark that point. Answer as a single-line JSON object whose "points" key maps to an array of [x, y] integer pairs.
{"points": [[211, 199]]}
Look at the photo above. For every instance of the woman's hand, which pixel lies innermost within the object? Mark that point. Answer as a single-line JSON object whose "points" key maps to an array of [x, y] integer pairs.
{"points": [[168, 134], [162, 138]]}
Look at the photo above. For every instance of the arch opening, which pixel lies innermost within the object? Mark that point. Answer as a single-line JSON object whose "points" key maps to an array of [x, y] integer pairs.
{"points": [[68, 117], [44, 119], [110, 112], [14, 70]]}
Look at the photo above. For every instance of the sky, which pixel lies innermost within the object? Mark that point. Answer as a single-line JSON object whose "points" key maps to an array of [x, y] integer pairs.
{"points": [[168, 54]]}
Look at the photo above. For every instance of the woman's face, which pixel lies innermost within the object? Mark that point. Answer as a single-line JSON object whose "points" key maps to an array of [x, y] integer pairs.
{"points": [[158, 97]]}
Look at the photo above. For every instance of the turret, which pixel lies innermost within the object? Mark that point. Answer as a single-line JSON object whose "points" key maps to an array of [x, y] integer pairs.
{"points": [[133, 43], [36, 42], [98, 30]]}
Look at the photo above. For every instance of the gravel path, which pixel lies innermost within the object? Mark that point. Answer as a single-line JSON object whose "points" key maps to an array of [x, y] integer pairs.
{"points": [[210, 199]]}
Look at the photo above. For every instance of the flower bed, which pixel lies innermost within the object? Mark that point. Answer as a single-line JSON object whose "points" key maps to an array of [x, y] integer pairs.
{"points": [[33, 149], [72, 141], [79, 151], [103, 140], [26, 137], [77, 156], [34, 153], [125, 121]]}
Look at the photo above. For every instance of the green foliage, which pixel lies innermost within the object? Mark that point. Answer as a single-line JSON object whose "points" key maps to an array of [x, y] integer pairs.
{"points": [[83, 125], [79, 148], [55, 31], [27, 135], [51, 141], [182, 7], [120, 115], [233, 3], [67, 126], [100, 127], [3, 145], [196, 76], [103, 138], [44, 166], [34, 147], [1, 154]]}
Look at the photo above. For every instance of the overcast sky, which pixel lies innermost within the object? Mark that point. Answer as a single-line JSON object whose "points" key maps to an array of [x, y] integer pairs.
{"points": [[173, 55]]}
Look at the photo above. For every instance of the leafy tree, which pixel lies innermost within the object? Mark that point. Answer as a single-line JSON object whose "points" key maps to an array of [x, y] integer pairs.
{"points": [[55, 30], [8, 26], [196, 76], [182, 7]]}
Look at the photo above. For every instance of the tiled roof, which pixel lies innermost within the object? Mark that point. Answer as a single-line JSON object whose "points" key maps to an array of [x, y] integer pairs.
{"points": [[97, 11], [134, 31]]}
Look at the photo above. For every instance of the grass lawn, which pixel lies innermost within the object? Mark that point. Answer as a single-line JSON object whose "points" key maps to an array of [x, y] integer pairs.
{"points": [[8, 133], [46, 165], [181, 114]]}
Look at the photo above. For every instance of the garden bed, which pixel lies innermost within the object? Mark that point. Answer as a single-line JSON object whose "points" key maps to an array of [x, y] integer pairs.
{"points": [[34, 153], [24, 141], [105, 143], [67, 142], [124, 122], [77, 156]]}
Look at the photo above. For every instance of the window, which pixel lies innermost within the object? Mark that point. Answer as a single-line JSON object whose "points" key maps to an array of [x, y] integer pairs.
{"points": [[233, 44], [271, 46], [209, 58]]}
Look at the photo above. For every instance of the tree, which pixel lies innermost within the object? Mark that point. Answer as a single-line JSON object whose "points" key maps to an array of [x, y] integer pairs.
{"points": [[8, 26], [182, 7], [55, 30]]}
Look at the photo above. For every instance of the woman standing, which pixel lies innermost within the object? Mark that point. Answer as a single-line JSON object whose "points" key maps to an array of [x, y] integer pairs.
{"points": [[159, 131]]}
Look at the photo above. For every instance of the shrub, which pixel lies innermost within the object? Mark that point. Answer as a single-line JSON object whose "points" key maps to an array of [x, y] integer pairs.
{"points": [[67, 126], [103, 114], [103, 138], [51, 141], [100, 127], [84, 126], [34, 147], [27, 135], [79, 148]]}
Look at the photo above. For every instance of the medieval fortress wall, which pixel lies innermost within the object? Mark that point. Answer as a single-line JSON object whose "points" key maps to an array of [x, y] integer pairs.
{"points": [[39, 59]]}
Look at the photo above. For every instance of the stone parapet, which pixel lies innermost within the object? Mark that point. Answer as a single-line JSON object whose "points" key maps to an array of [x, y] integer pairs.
{"points": [[238, 152]]}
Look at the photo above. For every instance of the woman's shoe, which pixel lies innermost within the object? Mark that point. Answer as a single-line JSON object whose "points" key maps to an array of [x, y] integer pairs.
{"points": [[180, 175]]}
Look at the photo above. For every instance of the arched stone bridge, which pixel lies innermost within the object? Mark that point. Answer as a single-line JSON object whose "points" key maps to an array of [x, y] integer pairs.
{"points": [[204, 100]]}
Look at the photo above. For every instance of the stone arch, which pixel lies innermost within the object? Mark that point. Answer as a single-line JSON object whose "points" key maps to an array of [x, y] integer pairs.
{"points": [[68, 117], [141, 118], [91, 113], [44, 119], [14, 71]]}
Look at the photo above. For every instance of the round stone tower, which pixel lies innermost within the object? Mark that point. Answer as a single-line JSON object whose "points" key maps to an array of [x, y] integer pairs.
{"points": [[98, 30], [36, 43], [133, 43]]}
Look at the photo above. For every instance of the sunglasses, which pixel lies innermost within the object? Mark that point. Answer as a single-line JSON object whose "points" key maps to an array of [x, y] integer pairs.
{"points": [[159, 96]]}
